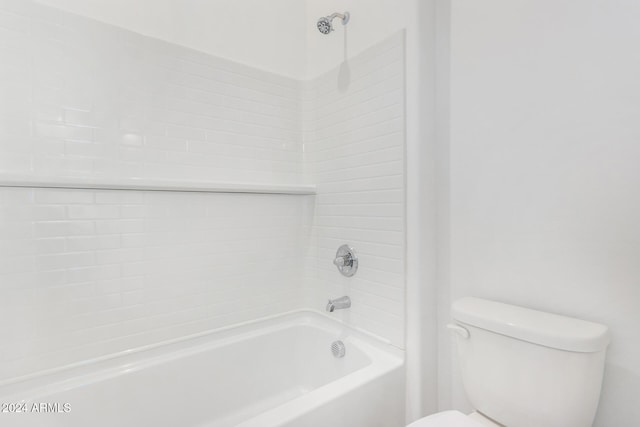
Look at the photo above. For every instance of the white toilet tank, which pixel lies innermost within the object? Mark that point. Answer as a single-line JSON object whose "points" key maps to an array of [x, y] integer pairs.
{"points": [[526, 368]]}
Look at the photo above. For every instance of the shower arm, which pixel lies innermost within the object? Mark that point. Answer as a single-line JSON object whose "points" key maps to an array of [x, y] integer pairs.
{"points": [[343, 16]]}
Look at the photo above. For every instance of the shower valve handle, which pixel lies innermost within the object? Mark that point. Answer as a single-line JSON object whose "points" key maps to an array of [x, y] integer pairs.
{"points": [[346, 260]]}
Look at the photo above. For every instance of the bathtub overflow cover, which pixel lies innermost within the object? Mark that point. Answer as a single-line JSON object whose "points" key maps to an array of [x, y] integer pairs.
{"points": [[338, 349]]}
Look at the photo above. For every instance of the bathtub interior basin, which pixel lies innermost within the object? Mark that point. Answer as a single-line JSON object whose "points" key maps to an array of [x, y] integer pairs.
{"points": [[275, 372]]}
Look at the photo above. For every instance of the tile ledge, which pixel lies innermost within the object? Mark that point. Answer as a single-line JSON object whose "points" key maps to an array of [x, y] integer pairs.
{"points": [[140, 184]]}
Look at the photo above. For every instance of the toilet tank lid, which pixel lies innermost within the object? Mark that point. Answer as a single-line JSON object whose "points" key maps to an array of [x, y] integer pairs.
{"points": [[538, 327]]}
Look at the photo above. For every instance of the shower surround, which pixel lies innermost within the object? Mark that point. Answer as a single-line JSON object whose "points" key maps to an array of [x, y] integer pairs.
{"points": [[86, 273]]}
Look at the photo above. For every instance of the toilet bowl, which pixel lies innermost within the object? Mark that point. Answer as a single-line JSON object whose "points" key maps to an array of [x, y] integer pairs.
{"points": [[551, 365], [454, 419]]}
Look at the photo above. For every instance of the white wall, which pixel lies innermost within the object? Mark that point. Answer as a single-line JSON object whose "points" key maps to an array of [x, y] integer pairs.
{"points": [[263, 34], [276, 35], [545, 131]]}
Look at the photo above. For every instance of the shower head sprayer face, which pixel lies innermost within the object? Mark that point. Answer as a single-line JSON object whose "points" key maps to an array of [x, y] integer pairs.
{"points": [[325, 24]]}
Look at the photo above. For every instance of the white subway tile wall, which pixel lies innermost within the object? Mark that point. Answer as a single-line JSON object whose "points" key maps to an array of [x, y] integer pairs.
{"points": [[85, 273], [354, 152], [82, 98]]}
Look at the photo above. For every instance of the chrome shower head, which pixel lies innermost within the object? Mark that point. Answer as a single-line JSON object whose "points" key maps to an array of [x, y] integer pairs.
{"points": [[325, 24]]}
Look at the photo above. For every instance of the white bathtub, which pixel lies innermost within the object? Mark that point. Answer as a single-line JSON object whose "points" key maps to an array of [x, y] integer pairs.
{"points": [[276, 372]]}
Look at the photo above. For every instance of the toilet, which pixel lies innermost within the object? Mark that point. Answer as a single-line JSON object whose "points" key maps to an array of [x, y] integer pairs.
{"points": [[524, 368]]}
